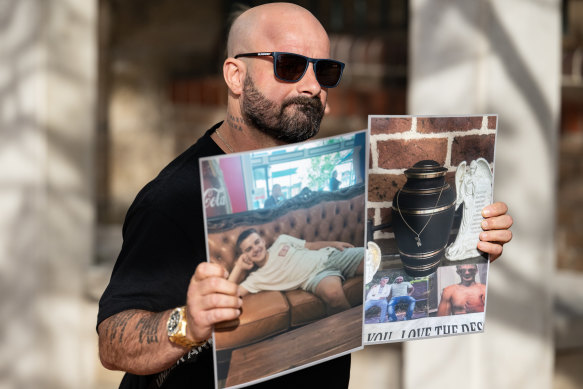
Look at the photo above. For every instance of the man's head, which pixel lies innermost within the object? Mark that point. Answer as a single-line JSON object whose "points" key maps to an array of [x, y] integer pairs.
{"points": [[399, 279], [252, 245], [276, 191], [467, 273], [384, 280], [286, 111]]}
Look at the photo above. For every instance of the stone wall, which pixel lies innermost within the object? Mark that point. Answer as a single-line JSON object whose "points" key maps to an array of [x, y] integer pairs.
{"points": [[486, 56], [47, 106]]}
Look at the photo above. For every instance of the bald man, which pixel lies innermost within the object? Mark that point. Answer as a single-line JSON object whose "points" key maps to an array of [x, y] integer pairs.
{"points": [[163, 298]]}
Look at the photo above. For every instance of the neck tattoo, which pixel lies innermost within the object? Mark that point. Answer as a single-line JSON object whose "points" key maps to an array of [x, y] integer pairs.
{"points": [[224, 141], [235, 122]]}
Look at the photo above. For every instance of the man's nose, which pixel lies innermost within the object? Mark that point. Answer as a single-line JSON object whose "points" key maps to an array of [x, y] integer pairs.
{"points": [[309, 84]]}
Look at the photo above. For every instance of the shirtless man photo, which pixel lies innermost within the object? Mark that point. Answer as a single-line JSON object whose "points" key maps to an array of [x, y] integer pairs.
{"points": [[466, 297]]}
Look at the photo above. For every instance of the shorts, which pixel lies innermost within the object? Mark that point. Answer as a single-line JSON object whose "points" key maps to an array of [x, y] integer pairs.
{"points": [[339, 263]]}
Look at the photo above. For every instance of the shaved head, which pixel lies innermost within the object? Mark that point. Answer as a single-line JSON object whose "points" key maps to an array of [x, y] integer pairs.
{"points": [[259, 102], [273, 22]]}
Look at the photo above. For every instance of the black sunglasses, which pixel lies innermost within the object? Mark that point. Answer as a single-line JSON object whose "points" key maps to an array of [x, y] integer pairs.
{"points": [[291, 67]]}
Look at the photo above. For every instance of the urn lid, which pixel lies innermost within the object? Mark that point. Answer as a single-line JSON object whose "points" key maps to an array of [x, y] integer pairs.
{"points": [[426, 169]]}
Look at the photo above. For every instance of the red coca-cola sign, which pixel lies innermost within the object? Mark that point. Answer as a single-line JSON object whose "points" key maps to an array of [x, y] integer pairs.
{"points": [[215, 198], [215, 195]]}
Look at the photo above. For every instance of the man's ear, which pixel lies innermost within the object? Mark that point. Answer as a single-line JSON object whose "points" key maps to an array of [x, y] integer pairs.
{"points": [[234, 74]]}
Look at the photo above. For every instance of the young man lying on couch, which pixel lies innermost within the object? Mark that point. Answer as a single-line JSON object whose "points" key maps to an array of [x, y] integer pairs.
{"points": [[291, 263]]}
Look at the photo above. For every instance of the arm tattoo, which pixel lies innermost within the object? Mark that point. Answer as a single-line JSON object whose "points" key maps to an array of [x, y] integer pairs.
{"points": [[235, 122], [149, 328], [118, 323]]}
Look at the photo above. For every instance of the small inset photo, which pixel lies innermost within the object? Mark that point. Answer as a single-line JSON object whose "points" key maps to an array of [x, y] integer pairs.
{"points": [[394, 296], [462, 289]]}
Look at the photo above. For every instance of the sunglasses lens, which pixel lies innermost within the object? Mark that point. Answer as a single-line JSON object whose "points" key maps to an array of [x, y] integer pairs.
{"points": [[328, 72], [290, 67]]}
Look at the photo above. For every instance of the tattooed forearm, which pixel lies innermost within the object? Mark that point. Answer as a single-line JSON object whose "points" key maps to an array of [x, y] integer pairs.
{"points": [[135, 341], [117, 325], [235, 122], [148, 326]]}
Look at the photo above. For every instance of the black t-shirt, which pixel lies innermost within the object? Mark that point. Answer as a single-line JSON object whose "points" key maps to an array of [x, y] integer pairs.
{"points": [[163, 243]]}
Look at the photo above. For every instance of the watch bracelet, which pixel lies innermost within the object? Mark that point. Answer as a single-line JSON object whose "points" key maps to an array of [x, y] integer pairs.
{"points": [[179, 337]]}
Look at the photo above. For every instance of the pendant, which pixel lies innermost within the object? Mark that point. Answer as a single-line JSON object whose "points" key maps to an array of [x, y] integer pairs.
{"points": [[418, 239]]}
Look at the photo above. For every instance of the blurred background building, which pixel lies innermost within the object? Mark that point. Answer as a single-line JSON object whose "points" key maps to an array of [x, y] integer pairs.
{"points": [[96, 96]]}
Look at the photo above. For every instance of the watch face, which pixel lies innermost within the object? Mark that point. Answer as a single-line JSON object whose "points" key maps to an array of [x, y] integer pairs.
{"points": [[173, 322]]}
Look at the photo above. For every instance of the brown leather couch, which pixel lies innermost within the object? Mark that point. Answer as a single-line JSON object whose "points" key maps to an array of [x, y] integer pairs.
{"points": [[313, 216]]}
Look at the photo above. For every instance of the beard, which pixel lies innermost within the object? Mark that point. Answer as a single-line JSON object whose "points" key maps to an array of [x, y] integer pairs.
{"points": [[295, 120]]}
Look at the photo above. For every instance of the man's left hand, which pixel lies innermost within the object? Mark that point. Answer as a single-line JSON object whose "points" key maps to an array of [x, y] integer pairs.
{"points": [[496, 226], [322, 244], [341, 245]]}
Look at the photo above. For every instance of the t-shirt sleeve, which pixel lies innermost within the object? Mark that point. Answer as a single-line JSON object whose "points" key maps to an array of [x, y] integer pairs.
{"points": [[295, 242], [249, 283], [154, 267]]}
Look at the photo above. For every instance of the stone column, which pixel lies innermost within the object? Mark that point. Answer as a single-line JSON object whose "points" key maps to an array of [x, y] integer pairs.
{"points": [[47, 107], [497, 56]]}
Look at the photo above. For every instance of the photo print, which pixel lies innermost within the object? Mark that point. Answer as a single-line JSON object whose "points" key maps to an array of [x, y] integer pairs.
{"points": [[288, 224], [429, 178]]}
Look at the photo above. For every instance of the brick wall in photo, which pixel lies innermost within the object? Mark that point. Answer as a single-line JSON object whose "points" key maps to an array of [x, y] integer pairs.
{"points": [[397, 143]]}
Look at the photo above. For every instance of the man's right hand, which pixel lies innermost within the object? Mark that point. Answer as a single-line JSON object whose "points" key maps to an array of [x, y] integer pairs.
{"points": [[211, 299], [137, 341], [244, 263]]}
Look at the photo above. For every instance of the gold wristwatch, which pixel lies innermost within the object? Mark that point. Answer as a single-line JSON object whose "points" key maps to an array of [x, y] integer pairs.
{"points": [[177, 329]]}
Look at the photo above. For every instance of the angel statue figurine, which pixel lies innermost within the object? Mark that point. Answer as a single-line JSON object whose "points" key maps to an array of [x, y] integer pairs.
{"points": [[474, 190]]}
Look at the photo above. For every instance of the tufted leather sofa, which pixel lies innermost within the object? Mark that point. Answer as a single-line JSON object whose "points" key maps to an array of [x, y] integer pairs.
{"points": [[312, 216]]}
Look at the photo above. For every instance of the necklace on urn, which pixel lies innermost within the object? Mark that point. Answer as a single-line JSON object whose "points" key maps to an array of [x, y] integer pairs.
{"points": [[423, 213]]}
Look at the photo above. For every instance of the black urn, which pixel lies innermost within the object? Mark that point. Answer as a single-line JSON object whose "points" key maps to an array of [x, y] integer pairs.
{"points": [[423, 213]]}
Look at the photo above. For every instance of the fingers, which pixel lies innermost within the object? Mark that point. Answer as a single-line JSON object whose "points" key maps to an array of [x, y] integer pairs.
{"points": [[213, 284], [209, 279], [206, 270], [496, 209], [496, 229], [343, 245], [211, 298], [494, 249], [244, 262], [492, 240], [503, 222], [496, 236], [247, 262], [216, 293], [204, 320]]}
